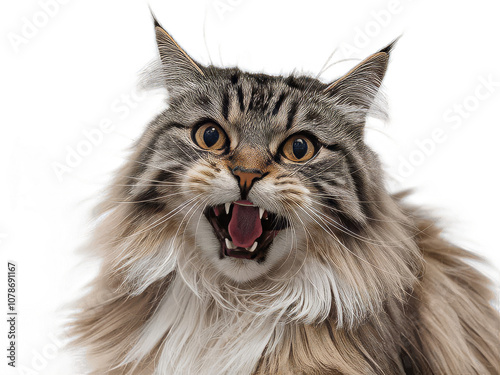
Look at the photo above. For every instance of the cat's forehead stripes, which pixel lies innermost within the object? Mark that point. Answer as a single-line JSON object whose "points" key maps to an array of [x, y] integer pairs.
{"points": [[278, 104], [276, 99], [291, 115], [225, 105]]}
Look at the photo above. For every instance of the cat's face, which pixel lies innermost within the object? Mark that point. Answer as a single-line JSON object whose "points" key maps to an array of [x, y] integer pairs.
{"points": [[253, 166]]}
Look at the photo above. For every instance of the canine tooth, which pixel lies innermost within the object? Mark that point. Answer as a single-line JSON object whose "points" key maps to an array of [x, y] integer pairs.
{"points": [[254, 246], [228, 207], [229, 244], [261, 212]]}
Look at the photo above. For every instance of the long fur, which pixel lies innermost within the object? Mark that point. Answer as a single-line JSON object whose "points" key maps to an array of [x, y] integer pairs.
{"points": [[440, 323], [359, 283]]}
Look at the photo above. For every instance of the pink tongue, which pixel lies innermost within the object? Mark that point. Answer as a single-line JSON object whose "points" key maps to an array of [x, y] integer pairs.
{"points": [[245, 226]]}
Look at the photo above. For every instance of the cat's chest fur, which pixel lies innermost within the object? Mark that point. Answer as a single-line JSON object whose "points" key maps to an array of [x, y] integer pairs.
{"points": [[193, 335]]}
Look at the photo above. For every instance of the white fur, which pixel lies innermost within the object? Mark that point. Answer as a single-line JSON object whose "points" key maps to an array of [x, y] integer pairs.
{"points": [[203, 337], [141, 274], [201, 340]]}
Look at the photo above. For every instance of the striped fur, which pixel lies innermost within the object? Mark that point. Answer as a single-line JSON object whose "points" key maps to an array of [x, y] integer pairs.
{"points": [[358, 283]]}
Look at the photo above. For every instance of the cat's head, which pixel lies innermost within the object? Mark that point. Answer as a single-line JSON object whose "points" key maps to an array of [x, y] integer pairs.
{"points": [[252, 175]]}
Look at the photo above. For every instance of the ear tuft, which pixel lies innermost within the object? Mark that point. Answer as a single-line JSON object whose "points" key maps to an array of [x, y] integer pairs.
{"points": [[388, 49], [155, 21], [361, 85], [178, 70]]}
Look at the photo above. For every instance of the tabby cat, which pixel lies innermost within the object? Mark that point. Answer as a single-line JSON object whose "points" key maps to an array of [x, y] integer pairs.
{"points": [[251, 233]]}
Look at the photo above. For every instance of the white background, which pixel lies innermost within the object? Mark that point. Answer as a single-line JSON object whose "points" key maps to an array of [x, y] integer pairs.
{"points": [[79, 64]]}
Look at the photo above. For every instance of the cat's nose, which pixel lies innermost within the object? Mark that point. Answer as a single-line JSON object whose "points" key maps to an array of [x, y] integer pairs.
{"points": [[246, 178]]}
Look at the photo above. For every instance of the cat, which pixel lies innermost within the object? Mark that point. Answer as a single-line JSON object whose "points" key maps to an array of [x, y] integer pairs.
{"points": [[251, 233]]}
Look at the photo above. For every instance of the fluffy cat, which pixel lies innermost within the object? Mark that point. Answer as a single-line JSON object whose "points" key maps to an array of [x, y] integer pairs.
{"points": [[251, 233]]}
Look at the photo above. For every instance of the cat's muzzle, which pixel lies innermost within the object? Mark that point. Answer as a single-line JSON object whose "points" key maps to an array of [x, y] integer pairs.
{"points": [[243, 229]]}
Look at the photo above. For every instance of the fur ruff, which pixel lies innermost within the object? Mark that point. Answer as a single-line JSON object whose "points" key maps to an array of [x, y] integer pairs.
{"points": [[436, 320]]}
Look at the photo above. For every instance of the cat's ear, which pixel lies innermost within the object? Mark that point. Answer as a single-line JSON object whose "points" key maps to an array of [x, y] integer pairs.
{"points": [[360, 86], [178, 69]]}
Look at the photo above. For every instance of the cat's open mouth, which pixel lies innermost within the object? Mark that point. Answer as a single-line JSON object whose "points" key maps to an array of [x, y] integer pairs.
{"points": [[244, 230]]}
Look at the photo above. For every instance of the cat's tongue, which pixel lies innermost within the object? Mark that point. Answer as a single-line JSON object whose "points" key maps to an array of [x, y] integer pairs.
{"points": [[245, 226]]}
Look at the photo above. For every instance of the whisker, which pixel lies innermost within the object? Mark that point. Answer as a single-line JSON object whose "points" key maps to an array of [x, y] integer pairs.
{"points": [[347, 249], [157, 182], [407, 225], [153, 185], [355, 235], [157, 167], [149, 200], [165, 217]]}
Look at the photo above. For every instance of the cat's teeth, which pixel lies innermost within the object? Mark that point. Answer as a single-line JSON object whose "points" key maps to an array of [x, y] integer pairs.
{"points": [[228, 206], [254, 246], [229, 244], [261, 212]]}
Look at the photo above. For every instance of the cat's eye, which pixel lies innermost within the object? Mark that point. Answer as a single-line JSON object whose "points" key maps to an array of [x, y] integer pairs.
{"points": [[210, 136], [298, 148]]}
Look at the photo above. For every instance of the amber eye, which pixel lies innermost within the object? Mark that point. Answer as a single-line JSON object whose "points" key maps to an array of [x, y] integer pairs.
{"points": [[210, 136], [298, 148]]}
